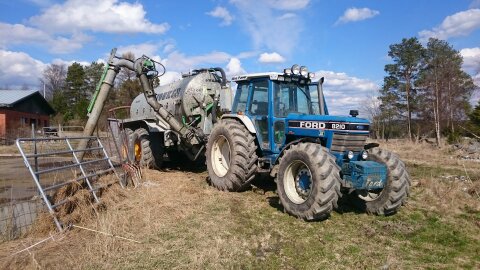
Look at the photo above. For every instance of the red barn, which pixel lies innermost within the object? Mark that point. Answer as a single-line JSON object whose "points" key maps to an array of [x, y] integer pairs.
{"points": [[19, 109]]}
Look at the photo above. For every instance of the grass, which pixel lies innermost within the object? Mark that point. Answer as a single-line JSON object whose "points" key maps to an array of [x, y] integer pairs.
{"points": [[183, 223]]}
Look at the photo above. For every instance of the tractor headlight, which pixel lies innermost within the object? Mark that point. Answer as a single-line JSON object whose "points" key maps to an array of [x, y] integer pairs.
{"points": [[296, 69], [350, 155], [304, 71], [311, 75], [364, 155], [287, 71]]}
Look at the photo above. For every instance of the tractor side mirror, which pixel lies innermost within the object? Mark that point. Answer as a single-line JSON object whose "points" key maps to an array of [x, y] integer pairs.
{"points": [[353, 113]]}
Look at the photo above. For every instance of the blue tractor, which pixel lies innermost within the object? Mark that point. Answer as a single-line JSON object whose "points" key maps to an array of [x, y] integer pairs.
{"points": [[280, 125]]}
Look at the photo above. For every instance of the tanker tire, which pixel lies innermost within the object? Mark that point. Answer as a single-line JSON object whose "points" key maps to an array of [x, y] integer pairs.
{"points": [[396, 191], [141, 151], [230, 156], [319, 165]]}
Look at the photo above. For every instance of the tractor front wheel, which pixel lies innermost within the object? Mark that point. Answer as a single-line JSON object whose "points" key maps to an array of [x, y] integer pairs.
{"points": [[386, 201], [308, 181]]}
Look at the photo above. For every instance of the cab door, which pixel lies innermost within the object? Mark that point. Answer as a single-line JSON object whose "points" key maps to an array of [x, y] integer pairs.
{"points": [[258, 110]]}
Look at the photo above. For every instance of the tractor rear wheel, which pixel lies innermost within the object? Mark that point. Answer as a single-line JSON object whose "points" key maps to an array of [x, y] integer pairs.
{"points": [[141, 151], [308, 181], [231, 156], [386, 201]]}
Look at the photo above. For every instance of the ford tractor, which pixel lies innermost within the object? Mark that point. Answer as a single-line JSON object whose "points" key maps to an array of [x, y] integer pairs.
{"points": [[280, 125]]}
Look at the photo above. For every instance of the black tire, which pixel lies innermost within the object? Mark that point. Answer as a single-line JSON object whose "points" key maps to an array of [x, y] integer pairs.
{"points": [[140, 150], [322, 175], [235, 172], [388, 200]]}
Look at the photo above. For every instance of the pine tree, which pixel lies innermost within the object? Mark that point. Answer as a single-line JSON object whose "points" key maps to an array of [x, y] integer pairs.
{"points": [[407, 57]]}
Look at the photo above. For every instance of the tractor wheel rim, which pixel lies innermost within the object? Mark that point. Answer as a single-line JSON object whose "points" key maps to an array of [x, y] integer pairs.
{"points": [[297, 182], [220, 156], [137, 151]]}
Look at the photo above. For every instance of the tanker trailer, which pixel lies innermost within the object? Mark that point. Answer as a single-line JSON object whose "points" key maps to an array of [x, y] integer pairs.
{"points": [[196, 101], [175, 118]]}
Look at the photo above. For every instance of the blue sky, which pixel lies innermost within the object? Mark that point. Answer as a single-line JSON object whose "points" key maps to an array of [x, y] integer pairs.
{"points": [[344, 41]]}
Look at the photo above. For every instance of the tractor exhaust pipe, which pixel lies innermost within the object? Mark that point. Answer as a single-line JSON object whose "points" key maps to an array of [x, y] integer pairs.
{"points": [[321, 102]]}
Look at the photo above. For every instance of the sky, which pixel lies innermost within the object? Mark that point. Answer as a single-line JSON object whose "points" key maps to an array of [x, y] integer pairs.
{"points": [[346, 42]]}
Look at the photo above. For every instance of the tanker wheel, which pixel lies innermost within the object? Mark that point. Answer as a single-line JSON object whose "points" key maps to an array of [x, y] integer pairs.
{"points": [[123, 142], [308, 181], [141, 151], [231, 156], [387, 200]]}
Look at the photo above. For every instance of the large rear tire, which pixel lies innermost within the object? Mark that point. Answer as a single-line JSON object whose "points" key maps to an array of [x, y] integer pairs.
{"points": [[388, 200], [231, 156], [141, 151], [308, 181]]}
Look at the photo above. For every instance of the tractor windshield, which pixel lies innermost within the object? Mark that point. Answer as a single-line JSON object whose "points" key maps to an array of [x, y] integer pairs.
{"points": [[291, 97]]}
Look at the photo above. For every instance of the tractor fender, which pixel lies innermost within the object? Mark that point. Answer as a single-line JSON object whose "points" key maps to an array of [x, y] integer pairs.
{"points": [[274, 171], [154, 127], [245, 120]]}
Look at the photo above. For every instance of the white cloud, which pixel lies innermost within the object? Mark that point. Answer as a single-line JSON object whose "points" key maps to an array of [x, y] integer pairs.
{"points": [[471, 64], [19, 68], [168, 48], [271, 58], [222, 13], [170, 76], [11, 34], [178, 61], [287, 16], [268, 27], [138, 50], [247, 54], [288, 4], [471, 58], [357, 14], [110, 16], [458, 24], [68, 63], [344, 92], [234, 67]]}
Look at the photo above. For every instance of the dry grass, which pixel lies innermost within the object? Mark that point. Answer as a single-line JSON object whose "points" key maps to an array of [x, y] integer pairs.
{"points": [[182, 223]]}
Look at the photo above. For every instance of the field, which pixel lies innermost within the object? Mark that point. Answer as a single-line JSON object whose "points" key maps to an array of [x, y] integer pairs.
{"points": [[178, 221]]}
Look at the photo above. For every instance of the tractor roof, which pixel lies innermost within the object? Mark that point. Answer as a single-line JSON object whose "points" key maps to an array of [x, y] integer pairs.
{"points": [[247, 77]]}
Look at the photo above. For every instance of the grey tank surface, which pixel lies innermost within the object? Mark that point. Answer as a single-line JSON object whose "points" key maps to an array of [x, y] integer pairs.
{"points": [[187, 98]]}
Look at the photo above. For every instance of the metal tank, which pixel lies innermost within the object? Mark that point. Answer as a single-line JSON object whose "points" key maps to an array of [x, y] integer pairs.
{"points": [[194, 100]]}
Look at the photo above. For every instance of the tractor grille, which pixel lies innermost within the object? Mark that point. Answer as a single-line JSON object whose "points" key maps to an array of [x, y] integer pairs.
{"points": [[348, 142]]}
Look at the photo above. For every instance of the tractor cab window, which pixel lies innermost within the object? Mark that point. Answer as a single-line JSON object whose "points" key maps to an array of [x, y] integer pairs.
{"points": [[259, 111], [291, 98], [241, 96], [259, 105]]}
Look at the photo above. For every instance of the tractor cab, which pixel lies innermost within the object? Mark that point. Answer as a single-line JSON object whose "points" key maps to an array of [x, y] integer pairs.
{"points": [[288, 107]]}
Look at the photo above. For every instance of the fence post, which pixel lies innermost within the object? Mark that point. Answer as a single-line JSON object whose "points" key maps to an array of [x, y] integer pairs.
{"points": [[35, 150]]}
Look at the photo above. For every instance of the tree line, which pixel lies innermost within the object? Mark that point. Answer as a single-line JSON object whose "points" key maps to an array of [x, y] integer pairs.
{"points": [[425, 93], [69, 89]]}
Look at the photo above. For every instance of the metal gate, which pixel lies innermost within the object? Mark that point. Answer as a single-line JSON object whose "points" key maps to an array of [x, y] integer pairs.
{"points": [[53, 164]]}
